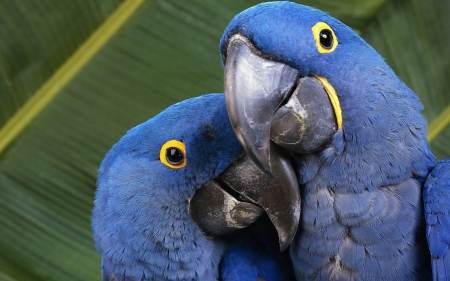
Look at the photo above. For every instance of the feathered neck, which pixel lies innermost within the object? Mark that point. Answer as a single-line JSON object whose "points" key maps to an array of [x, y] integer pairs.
{"points": [[382, 142], [148, 233]]}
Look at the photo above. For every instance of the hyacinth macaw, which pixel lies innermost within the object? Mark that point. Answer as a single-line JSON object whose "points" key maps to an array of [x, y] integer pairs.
{"points": [[437, 215], [167, 203], [299, 78]]}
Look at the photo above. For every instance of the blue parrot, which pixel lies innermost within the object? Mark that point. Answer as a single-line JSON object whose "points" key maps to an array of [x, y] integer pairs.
{"points": [[437, 215], [167, 205], [300, 80]]}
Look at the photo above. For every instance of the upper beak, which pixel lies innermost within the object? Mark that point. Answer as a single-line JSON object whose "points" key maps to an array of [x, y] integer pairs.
{"points": [[254, 89], [269, 100]]}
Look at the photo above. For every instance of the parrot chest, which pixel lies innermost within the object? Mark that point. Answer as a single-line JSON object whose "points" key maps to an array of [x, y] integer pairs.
{"points": [[359, 236]]}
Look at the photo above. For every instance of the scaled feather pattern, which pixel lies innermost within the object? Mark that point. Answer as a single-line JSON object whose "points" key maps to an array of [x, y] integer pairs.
{"points": [[363, 211]]}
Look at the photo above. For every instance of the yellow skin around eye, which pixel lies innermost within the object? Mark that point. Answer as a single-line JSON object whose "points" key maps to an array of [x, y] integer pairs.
{"points": [[316, 29], [169, 144]]}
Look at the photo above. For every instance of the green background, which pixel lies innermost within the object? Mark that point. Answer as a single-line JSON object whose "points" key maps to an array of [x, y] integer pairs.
{"points": [[166, 52]]}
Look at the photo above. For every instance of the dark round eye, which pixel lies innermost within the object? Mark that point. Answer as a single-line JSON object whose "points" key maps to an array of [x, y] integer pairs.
{"points": [[326, 38], [174, 155]]}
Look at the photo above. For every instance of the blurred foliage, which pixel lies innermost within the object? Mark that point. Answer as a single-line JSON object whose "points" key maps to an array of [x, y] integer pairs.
{"points": [[166, 52], [409, 34]]}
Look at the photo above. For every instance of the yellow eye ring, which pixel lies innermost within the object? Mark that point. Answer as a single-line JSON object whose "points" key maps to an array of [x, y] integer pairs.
{"points": [[326, 41], [173, 154]]}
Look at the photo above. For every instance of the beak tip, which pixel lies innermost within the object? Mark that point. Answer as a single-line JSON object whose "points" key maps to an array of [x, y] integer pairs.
{"points": [[261, 157], [283, 246], [265, 167], [285, 238]]}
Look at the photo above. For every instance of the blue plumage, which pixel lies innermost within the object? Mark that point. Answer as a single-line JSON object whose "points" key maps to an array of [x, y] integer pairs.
{"points": [[257, 257], [362, 214], [437, 215], [250, 261], [386, 108], [141, 222]]}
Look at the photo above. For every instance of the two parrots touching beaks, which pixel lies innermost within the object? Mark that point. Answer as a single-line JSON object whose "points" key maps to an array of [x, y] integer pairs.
{"points": [[316, 148]]}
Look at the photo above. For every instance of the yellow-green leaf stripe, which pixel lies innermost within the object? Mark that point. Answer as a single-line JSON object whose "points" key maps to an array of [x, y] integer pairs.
{"points": [[66, 72], [84, 54], [439, 124]]}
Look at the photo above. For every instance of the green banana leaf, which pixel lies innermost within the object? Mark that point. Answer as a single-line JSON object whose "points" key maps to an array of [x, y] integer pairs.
{"points": [[75, 75]]}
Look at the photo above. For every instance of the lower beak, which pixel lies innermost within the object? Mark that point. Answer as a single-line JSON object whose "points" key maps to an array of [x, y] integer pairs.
{"points": [[218, 213]]}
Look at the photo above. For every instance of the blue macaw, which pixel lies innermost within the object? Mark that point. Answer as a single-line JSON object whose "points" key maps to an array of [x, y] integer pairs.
{"points": [[297, 77], [437, 215], [166, 193]]}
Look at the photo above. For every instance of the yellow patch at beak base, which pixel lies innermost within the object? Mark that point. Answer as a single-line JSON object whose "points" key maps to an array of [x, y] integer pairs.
{"points": [[333, 98]]}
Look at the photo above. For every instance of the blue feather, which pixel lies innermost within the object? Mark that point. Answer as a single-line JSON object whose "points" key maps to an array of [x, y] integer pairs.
{"points": [[362, 215], [257, 257], [437, 215], [141, 223]]}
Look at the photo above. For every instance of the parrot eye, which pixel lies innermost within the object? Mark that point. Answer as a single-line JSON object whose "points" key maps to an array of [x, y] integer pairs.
{"points": [[173, 154], [326, 40]]}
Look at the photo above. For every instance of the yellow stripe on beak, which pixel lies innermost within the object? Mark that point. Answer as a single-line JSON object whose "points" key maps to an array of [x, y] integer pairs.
{"points": [[333, 98]]}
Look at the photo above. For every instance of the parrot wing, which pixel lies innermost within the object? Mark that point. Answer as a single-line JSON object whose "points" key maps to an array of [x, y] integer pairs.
{"points": [[437, 215], [297, 77]]}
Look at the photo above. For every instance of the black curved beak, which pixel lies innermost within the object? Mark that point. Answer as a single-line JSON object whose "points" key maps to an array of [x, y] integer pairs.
{"points": [[255, 88], [240, 194], [274, 112], [217, 212], [269, 100]]}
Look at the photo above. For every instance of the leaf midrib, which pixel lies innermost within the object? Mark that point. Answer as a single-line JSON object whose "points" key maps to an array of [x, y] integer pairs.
{"points": [[66, 72]]}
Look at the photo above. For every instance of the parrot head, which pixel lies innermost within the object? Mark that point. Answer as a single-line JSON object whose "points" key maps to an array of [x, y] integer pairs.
{"points": [[299, 78], [176, 180]]}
